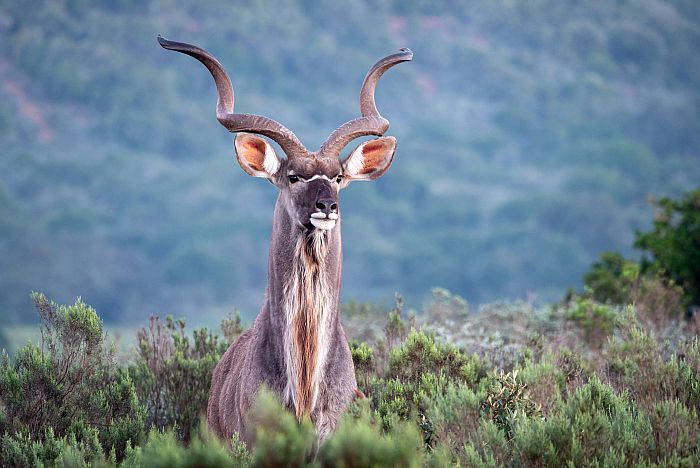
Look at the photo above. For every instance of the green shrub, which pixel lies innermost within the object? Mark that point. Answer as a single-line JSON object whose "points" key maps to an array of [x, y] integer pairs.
{"points": [[543, 442], [419, 370], [363, 359], [488, 447], [395, 328], [164, 449], [232, 327], [596, 321], [507, 401], [4, 343], [594, 427], [392, 400], [423, 354], [545, 383], [173, 373], [634, 364], [611, 278], [359, 441], [574, 368], [21, 450], [659, 303], [687, 372], [278, 439], [454, 415], [68, 392], [675, 429], [600, 420], [632, 399], [673, 243]]}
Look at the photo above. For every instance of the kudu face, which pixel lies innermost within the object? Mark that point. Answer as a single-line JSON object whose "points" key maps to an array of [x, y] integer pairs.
{"points": [[309, 185], [309, 181]]}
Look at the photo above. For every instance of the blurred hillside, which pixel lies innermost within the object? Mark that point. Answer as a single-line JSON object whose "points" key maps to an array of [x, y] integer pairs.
{"points": [[530, 137]]}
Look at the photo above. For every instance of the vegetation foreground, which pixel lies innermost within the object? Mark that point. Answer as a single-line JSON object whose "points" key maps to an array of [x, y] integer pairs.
{"points": [[581, 383], [608, 377]]}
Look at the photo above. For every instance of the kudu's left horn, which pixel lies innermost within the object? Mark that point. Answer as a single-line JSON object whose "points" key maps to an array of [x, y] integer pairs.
{"points": [[289, 143]]}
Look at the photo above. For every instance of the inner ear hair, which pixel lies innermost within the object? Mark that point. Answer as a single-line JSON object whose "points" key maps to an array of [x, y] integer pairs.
{"points": [[256, 156], [370, 159]]}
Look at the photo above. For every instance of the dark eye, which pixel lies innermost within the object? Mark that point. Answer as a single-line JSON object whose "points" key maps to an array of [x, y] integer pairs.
{"points": [[293, 178], [339, 178]]}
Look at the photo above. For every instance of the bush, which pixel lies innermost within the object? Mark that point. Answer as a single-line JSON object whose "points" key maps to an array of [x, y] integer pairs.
{"points": [[659, 303], [632, 399], [164, 449], [687, 372], [279, 440], [675, 430], [67, 394], [4, 343], [596, 321], [401, 446], [611, 278], [600, 420], [507, 402], [422, 354], [173, 374], [363, 359], [455, 415], [395, 328], [673, 243], [545, 383]]}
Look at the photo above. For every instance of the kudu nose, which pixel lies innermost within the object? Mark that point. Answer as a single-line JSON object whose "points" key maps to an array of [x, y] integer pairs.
{"points": [[327, 205]]}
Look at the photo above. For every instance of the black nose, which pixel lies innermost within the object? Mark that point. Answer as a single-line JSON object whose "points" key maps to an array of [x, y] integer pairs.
{"points": [[327, 205]]}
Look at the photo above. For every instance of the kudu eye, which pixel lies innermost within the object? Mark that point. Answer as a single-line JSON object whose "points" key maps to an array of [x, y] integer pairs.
{"points": [[293, 179]]}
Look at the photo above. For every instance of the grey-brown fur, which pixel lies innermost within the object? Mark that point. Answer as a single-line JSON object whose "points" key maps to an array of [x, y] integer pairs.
{"points": [[297, 347], [257, 357]]}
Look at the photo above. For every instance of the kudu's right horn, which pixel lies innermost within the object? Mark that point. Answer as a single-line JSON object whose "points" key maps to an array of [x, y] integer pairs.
{"points": [[371, 122]]}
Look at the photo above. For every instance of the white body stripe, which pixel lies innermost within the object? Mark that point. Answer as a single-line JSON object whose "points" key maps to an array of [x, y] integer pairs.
{"points": [[317, 176]]}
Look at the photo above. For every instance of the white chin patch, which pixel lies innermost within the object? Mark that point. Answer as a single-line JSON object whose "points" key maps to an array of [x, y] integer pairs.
{"points": [[325, 224]]}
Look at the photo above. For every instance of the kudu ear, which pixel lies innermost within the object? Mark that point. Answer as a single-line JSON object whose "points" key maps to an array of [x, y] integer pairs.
{"points": [[256, 156], [370, 160]]}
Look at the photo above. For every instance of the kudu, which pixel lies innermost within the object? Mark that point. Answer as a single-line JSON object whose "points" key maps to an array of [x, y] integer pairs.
{"points": [[297, 346]]}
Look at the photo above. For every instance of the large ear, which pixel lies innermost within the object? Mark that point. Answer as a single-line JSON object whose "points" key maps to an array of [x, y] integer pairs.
{"points": [[256, 156], [370, 160]]}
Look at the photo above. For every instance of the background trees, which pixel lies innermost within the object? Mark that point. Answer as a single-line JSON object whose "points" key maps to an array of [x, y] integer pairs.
{"points": [[529, 140]]}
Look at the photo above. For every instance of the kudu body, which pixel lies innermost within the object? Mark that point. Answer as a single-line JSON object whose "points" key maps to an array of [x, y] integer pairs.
{"points": [[297, 347]]}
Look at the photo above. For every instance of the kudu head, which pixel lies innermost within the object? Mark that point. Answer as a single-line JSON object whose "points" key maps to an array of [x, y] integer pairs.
{"points": [[309, 181]]}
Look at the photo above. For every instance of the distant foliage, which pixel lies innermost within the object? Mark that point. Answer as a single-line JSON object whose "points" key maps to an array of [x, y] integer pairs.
{"points": [[548, 124], [673, 243], [664, 285]]}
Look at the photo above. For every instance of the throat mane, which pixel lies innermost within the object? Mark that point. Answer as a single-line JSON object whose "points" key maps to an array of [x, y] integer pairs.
{"points": [[307, 310]]}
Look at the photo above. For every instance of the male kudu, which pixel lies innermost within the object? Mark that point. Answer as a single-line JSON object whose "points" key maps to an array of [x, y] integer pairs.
{"points": [[297, 346]]}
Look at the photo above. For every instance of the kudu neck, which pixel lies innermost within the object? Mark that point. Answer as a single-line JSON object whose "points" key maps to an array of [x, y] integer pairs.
{"points": [[284, 251], [304, 291]]}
